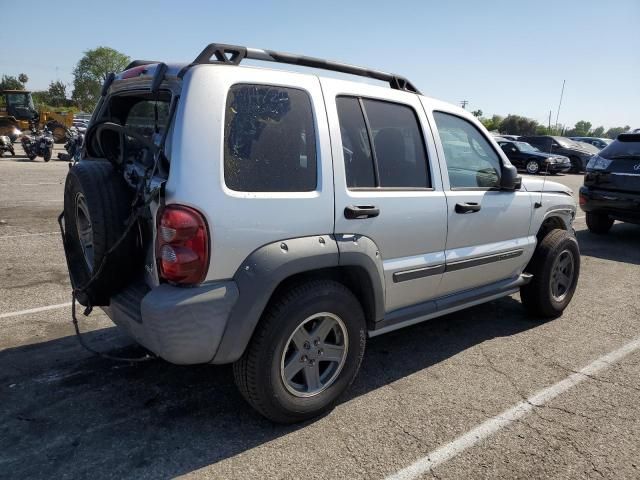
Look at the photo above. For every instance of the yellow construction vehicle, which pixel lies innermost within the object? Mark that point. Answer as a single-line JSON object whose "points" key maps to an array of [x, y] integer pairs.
{"points": [[17, 111]]}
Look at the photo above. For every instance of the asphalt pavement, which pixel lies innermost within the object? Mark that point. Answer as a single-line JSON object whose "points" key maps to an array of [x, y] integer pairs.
{"points": [[484, 393]]}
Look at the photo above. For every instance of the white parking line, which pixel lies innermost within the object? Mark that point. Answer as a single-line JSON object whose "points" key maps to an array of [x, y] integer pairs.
{"points": [[34, 310], [493, 425], [2, 237]]}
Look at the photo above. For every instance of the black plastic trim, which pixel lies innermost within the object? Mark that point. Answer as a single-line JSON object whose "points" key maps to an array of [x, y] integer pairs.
{"points": [[415, 273], [474, 262]]}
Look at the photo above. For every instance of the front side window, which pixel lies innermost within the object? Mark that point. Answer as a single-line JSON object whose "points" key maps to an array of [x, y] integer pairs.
{"points": [[471, 161], [382, 144], [269, 140]]}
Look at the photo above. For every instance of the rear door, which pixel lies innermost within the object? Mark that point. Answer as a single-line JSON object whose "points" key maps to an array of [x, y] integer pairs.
{"points": [[385, 165], [488, 236]]}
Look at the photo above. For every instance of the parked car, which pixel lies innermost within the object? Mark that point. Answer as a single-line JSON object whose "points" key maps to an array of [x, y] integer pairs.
{"points": [[611, 189], [284, 218], [599, 143], [529, 158], [579, 154], [513, 138]]}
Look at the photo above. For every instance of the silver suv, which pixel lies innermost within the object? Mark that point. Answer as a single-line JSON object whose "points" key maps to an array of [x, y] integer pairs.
{"points": [[277, 220]]}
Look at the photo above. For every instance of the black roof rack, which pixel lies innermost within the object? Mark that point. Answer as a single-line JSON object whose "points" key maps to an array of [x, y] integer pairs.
{"points": [[234, 54]]}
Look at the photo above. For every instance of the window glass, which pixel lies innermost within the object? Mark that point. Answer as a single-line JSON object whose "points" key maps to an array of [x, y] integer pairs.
{"points": [[398, 143], [356, 149], [471, 161], [269, 140], [141, 117]]}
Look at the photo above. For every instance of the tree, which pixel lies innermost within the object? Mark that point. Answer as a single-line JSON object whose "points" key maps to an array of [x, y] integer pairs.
{"points": [[615, 131], [517, 125], [477, 113], [581, 129], [57, 93], [91, 72], [9, 82], [597, 132], [492, 123], [23, 79]]}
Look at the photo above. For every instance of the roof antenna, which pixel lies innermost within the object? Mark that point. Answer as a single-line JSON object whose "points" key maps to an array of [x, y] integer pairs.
{"points": [[544, 179]]}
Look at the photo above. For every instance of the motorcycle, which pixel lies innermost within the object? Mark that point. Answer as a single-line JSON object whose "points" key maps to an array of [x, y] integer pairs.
{"points": [[38, 144], [6, 146], [73, 146]]}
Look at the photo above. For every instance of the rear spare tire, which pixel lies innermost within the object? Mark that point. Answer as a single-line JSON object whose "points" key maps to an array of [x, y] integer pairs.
{"points": [[97, 206]]}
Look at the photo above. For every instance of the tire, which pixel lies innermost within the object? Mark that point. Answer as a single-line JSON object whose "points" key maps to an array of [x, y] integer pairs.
{"points": [[598, 223], [259, 374], [47, 154], [532, 167], [538, 295], [32, 157], [576, 165], [13, 152], [93, 189]]}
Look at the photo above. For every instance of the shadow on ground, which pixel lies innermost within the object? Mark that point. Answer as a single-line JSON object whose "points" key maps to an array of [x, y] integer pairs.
{"points": [[620, 244], [64, 413]]}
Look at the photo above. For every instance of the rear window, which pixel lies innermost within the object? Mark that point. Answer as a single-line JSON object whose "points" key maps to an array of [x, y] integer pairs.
{"points": [[627, 146], [269, 140]]}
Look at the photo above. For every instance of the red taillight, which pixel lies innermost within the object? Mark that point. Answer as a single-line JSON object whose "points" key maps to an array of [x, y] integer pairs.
{"points": [[134, 72], [582, 199], [182, 245]]}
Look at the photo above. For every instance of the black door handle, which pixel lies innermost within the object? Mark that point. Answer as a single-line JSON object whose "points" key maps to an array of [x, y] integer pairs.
{"points": [[357, 212], [467, 207]]}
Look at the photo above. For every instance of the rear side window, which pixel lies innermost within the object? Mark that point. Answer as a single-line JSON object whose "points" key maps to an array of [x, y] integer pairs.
{"points": [[269, 140], [382, 144], [627, 146]]}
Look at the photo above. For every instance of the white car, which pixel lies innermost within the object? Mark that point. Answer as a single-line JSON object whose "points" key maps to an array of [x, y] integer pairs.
{"points": [[277, 220]]}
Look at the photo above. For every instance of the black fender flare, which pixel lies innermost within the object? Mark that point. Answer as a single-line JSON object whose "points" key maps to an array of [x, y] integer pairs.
{"points": [[267, 267]]}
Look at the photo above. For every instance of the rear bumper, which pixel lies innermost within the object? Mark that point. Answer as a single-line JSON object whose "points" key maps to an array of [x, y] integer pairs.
{"points": [[622, 206], [559, 167], [181, 325]]}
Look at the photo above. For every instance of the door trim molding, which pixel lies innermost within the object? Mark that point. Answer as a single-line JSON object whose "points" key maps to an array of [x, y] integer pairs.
{"points": [[415, 273], [483, 260]]}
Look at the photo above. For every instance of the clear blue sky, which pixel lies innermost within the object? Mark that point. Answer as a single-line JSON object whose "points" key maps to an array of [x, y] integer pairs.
{"points": [[502, 56]]}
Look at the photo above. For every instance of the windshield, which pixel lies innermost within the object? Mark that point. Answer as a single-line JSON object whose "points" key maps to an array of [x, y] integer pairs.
{"points": [[565, 142], [20, 100], [525, 147], [618, 149]]}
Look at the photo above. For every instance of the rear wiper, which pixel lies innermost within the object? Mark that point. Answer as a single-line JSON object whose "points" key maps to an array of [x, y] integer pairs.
{"points": [[618, 157]]}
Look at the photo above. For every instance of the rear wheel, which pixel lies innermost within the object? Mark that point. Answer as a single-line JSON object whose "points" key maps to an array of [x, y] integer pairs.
{"points": [[533, 167], [47, 154], [305, 352], [576, 165], [555, 267], [598, 223]]}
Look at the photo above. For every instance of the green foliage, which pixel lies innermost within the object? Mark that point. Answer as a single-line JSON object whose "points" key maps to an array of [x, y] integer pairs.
{"points": [[517, 125], [9, 82], [598, 132], [477, 113], [492, 123], [542, 130], [614, 132], [91, 72], [23, 78], [581, 129]]}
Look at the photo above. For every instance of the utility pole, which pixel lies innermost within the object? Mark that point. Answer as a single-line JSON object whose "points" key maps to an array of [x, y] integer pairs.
{"points": [[560, 103], [464, 103], [549, 123]]}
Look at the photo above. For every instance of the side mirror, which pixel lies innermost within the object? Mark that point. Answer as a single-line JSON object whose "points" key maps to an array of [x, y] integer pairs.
{"points": [[510, 180]]}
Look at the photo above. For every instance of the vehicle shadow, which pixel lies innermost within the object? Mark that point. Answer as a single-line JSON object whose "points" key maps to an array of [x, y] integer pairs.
{"points": [[620, 244], [89, 417]]}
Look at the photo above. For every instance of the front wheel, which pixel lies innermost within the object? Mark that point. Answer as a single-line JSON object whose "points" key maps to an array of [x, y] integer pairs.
{"points": [[576, 165], [598, 223], [305, 352], [47, 154], [555, 267]]}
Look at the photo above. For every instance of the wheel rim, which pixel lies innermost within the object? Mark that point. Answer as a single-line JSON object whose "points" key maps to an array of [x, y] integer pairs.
{"points": [[562, 273], [533, 167], [85, 230], [314, 355]]}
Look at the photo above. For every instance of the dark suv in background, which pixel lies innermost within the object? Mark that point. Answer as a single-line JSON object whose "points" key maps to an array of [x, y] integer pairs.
{"points": [[611, 189], [579, 153], [527, 157]]}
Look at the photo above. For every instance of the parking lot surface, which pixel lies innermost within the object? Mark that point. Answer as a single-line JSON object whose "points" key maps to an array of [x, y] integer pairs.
{"points": [[419, 396]]}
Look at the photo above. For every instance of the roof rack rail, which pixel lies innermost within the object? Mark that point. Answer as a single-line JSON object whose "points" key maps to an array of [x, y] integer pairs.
{"points": [[234, 54]]}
